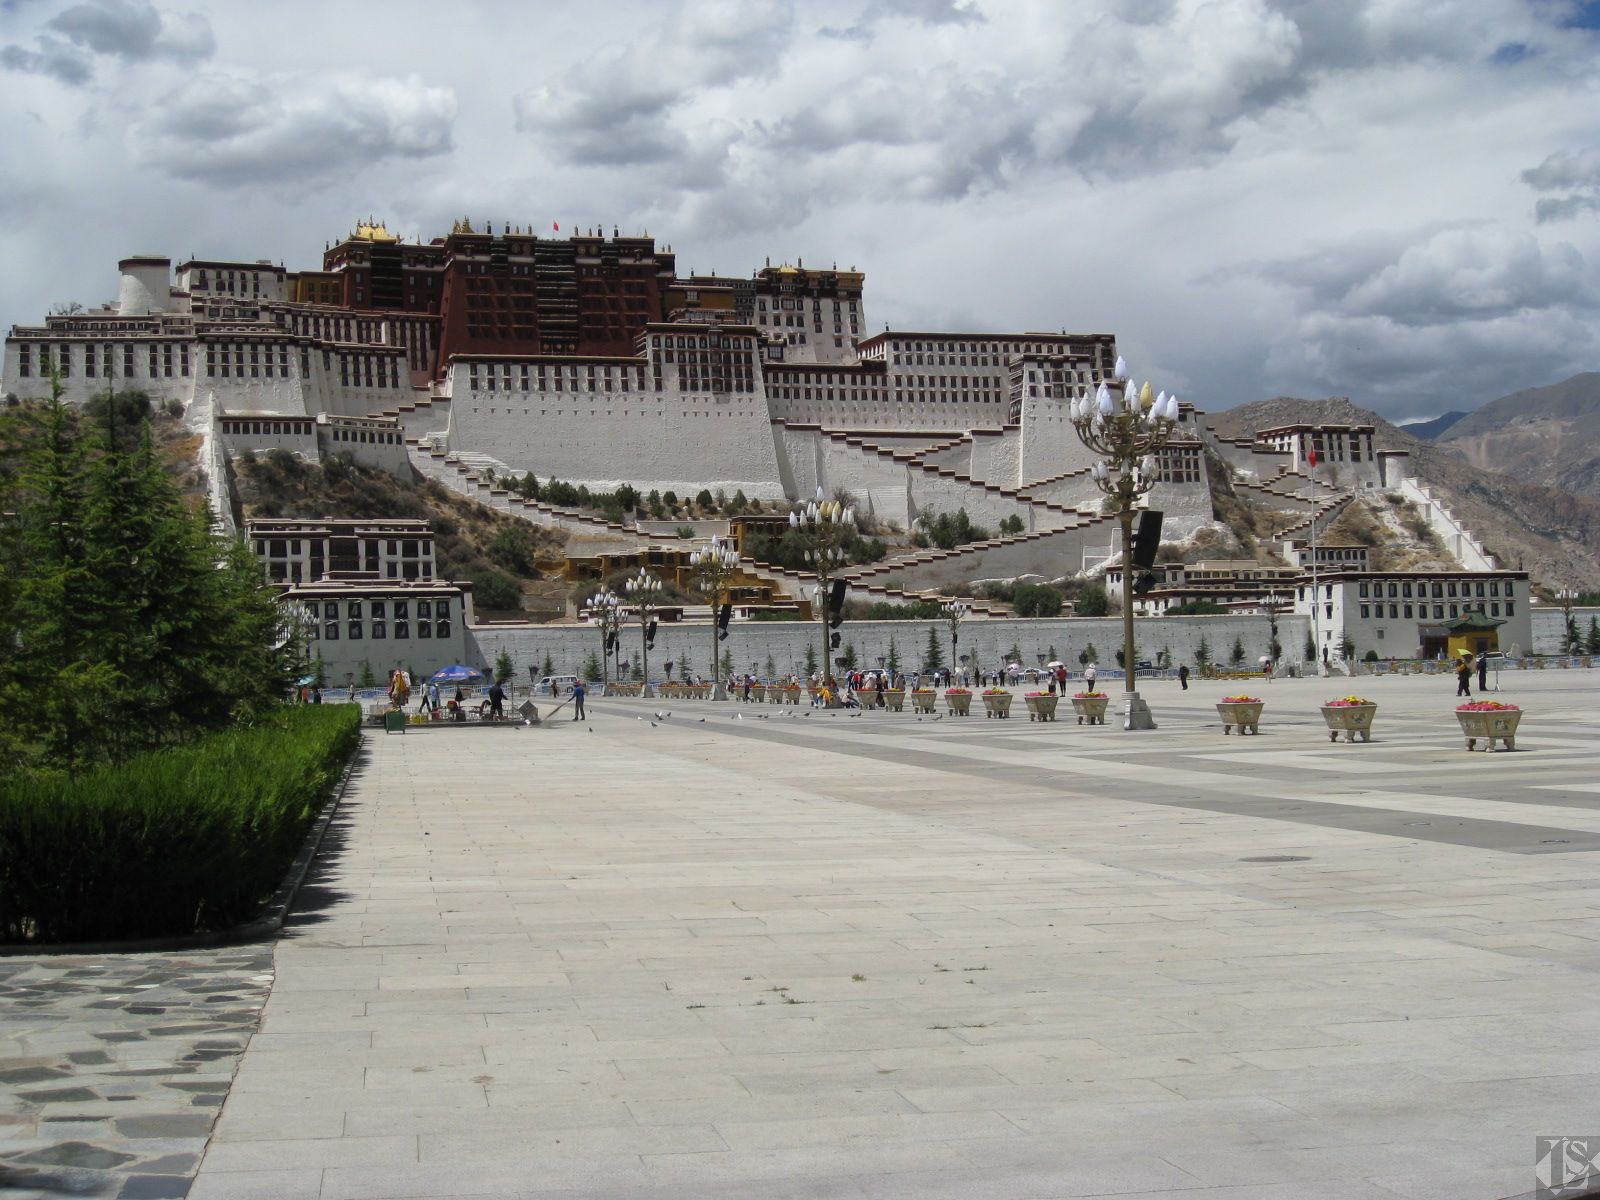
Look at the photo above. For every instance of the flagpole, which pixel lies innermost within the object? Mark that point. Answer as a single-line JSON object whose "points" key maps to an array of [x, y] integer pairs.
{"points": [[1316, 600]]}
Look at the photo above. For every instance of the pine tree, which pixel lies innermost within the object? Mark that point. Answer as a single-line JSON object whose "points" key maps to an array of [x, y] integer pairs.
{"points": [[771, 668], [1202, 655], [1310, 647], [547, 667], [892, 662], [592, 671], [1090, 654], [725, 663], [932, 655], [849, 656], [811, 659], [1236, 655], [1016, 653], [504, 669], [1592, 642]]}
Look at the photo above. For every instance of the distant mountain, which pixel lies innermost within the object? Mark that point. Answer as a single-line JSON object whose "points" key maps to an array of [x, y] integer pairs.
{"points": [[1548, 435], [1552, 533], [1432, 429]]}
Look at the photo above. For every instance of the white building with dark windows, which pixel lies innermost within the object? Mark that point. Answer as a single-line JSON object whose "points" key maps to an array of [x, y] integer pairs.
{"points": [[1401, 614]]}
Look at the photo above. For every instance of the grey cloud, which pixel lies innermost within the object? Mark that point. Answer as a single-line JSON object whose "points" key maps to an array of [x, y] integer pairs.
{"points": [[1565, 208], [53, 57], [1577, 174], [233, 132], [130, 30], [926, 12]]}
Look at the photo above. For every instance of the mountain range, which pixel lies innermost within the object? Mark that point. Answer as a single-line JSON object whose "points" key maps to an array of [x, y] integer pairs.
{"points": [[1517, 509]]}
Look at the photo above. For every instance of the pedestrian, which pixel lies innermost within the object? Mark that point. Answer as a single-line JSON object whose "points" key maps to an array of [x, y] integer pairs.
{"points": [[433, 696], [1266, 667], [1483, 672], [1464, 675], [316, 694], [1088, 678], [579, 691], [497, 696], [1183, 676]]}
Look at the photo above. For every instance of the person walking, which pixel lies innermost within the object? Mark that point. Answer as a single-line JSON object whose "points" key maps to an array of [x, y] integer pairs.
{"points": [[316, 694], [1183, 676], [1464, 675], [497, 696], [1483, 673], [579, 691], [1088, 678]]}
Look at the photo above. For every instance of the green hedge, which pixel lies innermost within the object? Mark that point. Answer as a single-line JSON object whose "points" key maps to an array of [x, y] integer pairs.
{"points": [[173, 842]]}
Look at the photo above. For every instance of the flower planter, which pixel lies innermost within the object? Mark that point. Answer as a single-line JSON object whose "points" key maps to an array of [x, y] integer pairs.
{"points": [[791, 695], [624, 689], [1243, 715], [997, 706], [1349, 719], [959, 703], [922, 701], [895, 699], [1042, 708], [1091, 710], [1490, 726]]}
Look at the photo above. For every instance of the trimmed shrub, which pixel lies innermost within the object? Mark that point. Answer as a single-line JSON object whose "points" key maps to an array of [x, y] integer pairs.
{"points": [[172, 842]]}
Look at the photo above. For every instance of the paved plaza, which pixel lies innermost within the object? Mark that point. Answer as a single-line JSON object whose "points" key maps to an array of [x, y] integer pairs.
{"points": [[746, 952]]}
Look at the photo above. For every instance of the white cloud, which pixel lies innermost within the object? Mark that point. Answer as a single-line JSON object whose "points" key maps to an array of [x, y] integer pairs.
{"points": [[132, 31]]}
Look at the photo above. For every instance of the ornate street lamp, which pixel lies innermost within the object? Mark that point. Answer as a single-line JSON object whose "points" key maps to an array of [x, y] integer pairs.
{"points": [[824, 527], [1127, 427], [1567, 596], [644, 592], [605, 613], [714, 567], [955, 612]]}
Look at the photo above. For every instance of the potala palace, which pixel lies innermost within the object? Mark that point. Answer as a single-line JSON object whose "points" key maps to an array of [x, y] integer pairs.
{"points": [[488, 353]]}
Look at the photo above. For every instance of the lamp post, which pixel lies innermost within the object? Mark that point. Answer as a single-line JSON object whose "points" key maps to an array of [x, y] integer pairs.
{"points": [[714, 567], [1566, 596], [823, 527], [644, 590], [605, 613], [1274, 647], [1127, 427], [955, 612]]}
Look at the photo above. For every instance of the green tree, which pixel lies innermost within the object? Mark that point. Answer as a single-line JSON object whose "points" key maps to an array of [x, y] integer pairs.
{"points": [[771, 668], [495, 590], [740, 502], [1015, 653], [528, 486], [1310, 647], [319, 670], [654, 504], [704, 501], [1236, 655], [1093, 601], [892, 661], [504, 669], [811, 659], [1592, 642], [849, 656], [932, 655], [725, 663], [547, 667], [1036, 600], [512, 548], [592, 671], [627, 497], [1574, 640], [1202, 654], [683, 664], [670, 500], [366, 678]]}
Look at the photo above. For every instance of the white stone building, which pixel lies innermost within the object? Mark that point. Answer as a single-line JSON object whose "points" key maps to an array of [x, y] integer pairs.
{"points": [[1401, 614]]}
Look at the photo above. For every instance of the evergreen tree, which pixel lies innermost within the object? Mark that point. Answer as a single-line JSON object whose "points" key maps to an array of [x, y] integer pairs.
{"points": [[683, 665], [1016, 653], [503, 667], [1310, 647], [892, 662], [932, 655], [811, 659], [592, 671], [849, 656], [1236, 655], [1592, 642], [319, 671], [367, 678], [771, 668], [547, 667], [1202, 655], [725, 663], [1089, 655]]}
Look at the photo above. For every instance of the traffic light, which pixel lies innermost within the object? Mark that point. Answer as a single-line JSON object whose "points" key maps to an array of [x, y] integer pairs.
{"points": [[611, 642], [833, 641], [1147, 540], [724, 615], [1143, 582], [650, 636]]}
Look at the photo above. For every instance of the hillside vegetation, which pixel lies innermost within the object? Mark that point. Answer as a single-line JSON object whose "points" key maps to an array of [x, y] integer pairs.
{"points": [[515, 567]]}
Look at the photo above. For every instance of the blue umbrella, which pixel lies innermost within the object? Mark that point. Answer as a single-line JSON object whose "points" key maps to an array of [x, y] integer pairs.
{"points": [[456, 673]]}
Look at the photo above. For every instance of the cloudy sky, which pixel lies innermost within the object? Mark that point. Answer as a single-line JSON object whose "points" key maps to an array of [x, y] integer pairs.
{"points": [[1394, 200]]}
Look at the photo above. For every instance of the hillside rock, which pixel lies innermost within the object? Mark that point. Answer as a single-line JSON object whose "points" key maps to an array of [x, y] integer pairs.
{"points": [[1548, 435], [1431, 430], [1552, 533]]}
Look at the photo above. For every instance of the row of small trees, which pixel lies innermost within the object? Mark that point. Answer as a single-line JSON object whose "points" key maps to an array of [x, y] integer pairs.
{"points": [[627, 498]]}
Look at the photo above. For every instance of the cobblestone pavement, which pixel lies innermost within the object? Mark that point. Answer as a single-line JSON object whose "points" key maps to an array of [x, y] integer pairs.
{"points": [[113, 1067]]}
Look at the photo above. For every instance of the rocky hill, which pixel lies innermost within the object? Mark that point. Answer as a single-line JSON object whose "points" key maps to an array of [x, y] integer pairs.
{"points": [[1548, 435], [1548, 531], [1432, 430]]}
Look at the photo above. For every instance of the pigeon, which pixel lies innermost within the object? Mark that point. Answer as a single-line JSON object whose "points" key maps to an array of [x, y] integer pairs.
{"points": [[652, 725], [702, 720]]}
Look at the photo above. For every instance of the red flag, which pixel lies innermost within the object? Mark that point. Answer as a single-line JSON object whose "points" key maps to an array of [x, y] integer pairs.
{"points": [[1311, 456], [556, 225]]}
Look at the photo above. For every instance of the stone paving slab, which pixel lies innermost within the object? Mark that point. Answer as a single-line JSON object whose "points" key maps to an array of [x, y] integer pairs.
{"points": [[739, 953]]}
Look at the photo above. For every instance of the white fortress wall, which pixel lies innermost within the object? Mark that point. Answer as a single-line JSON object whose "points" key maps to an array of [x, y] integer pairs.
{"points": [[371, 441], [934, 494], [996, 456], [1457, 538], [1052, 554], [751, 642], [257, 432]]}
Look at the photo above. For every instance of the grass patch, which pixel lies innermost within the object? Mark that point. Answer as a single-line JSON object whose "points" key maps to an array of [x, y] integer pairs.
{"points": [[173, 842]]}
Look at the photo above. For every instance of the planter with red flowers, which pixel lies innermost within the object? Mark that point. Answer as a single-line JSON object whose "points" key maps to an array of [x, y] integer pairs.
{"points": [[958, 700], [996, 703], [1090, 707], [1489, 722], [1240, 712], [1349, 715], [1041, 705]]}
